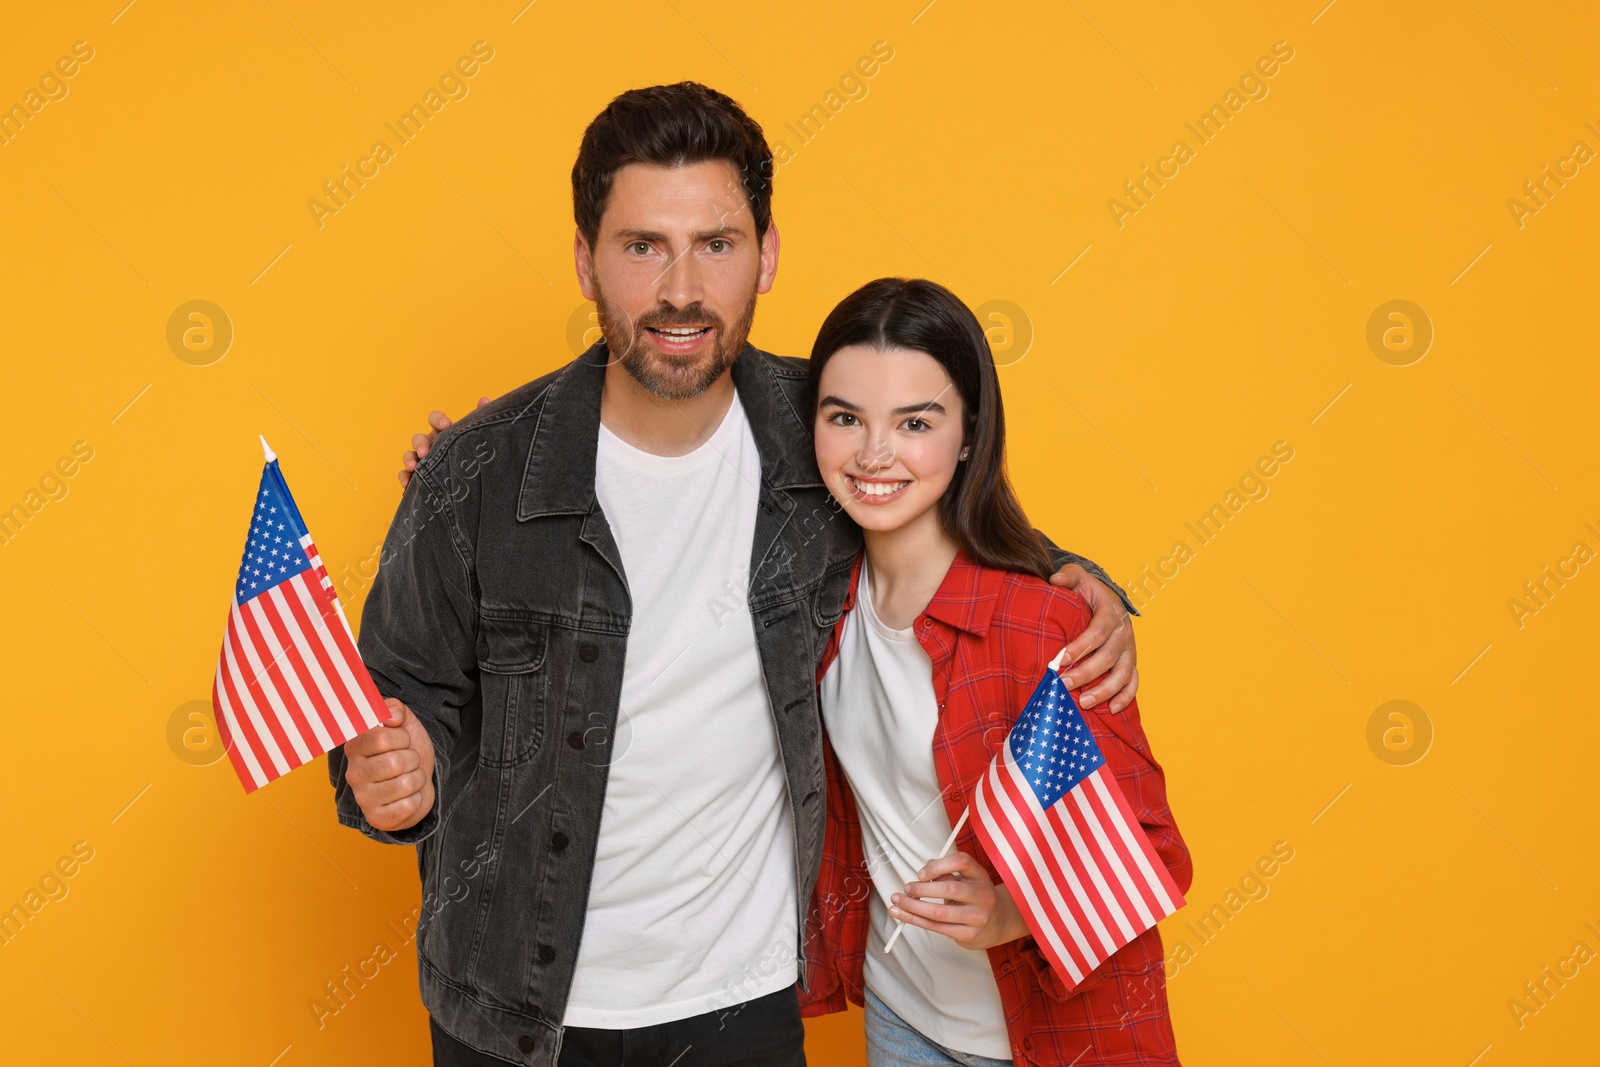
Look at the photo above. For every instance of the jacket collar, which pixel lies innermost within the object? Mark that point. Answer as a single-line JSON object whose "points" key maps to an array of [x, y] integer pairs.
{"points": [[965, 599], [558, 478]]}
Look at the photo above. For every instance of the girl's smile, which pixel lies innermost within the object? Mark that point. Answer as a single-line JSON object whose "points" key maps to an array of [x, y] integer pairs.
{"points": [[875, 491]]}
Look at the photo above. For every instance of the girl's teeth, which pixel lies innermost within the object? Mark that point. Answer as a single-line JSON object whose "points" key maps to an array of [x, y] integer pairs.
{"points": [[880, 488]]}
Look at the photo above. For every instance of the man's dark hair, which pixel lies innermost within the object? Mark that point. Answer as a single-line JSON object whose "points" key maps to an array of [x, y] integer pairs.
{"points": [[669, 126]]}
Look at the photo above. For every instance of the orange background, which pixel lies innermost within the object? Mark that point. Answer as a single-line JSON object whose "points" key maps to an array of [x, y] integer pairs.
{"points": [[1441, 859]]}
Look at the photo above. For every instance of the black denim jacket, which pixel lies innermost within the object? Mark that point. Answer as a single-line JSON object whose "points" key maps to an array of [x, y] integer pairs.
{"points": [[500, 616]]}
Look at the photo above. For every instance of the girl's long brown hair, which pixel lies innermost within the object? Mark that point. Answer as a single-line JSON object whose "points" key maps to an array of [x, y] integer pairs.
{"points": [[979, 510]]}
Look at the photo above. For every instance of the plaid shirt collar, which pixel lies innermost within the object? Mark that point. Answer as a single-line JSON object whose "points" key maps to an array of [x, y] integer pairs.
{"points": [[965, 599]]}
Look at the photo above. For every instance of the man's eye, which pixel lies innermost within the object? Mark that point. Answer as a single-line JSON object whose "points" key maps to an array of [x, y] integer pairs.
{"points": [[719, 245], [639, 248]]}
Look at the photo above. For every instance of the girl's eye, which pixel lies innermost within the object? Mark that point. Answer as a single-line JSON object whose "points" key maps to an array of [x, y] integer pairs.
{"points": [[837, 415], [916, 425]]}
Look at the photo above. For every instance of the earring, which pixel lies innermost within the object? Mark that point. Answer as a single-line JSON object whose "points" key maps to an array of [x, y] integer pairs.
{"points": [[964, 453]]}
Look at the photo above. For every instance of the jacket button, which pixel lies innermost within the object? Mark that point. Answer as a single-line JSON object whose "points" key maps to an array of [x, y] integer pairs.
{"points": [[588, 653], [558, 841], [575, 739], [956, 796], [546, 954], [525, 1043]]}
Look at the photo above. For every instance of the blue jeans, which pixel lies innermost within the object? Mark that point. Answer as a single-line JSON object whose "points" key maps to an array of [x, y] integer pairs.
{"points": [[892, 1043]]}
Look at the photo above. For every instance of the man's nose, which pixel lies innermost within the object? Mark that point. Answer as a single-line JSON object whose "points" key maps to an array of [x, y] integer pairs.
{"points": [[681, 283]]}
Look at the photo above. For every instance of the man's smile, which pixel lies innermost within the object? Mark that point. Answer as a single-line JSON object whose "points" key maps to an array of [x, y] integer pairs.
{"points": [[679, 340]]}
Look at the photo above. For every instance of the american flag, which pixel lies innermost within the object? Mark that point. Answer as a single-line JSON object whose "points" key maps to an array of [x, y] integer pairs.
{"points": [[1056, 826], [290, 684]]}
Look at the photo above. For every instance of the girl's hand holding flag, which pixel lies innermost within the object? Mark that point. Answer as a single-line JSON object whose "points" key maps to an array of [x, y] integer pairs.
{"points": [[1057, 827], [976, 913]]}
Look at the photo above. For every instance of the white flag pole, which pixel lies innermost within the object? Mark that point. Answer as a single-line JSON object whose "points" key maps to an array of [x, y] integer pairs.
{"points": [[266, 448], [1055, 665], [943, 852]]}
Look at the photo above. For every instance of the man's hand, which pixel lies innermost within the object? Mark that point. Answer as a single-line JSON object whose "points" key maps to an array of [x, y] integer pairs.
{"points": [[391, 770], [976, 913], [1105, 647], [422, 442]]}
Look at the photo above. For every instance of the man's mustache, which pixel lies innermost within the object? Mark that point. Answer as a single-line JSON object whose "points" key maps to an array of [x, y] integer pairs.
{"points": [[693, 315]]}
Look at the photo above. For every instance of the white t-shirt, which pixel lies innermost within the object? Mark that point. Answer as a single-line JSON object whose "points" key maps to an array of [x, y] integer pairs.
{"points": [[692, 906], [881, 712]]}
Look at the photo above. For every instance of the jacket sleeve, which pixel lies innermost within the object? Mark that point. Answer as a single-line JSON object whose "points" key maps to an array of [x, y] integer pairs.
{"points": [[419, 634], [1127, 752], [1062, 557], [1126, 749], [1123, 743]]}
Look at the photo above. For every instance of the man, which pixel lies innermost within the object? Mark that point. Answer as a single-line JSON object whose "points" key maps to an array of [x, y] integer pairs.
{"points": [[597, 619]]}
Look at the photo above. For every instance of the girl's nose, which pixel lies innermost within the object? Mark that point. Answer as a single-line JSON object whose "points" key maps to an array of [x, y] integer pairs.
{"points": [[876, 453]]}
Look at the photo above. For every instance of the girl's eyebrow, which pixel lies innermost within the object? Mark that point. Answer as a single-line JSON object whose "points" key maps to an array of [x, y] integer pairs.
{"points": [[927, 407]]}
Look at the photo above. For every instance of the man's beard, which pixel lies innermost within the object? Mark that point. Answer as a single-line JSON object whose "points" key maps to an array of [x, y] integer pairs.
{"points": [[673, 377]]}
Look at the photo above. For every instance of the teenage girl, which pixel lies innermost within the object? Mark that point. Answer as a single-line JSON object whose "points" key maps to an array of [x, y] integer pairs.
{"points": [[949, 625]]}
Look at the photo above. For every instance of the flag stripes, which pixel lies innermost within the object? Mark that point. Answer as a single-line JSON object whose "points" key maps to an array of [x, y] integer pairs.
{"points": [[1062, 836], [289, 684]]}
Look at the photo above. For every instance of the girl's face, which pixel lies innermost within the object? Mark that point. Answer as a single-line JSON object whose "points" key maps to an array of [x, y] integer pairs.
{"points": [[888, 433]]}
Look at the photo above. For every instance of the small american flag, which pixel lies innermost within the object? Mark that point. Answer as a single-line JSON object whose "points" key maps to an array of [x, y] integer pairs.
{"points": [[1054, 822], [290, 684]]}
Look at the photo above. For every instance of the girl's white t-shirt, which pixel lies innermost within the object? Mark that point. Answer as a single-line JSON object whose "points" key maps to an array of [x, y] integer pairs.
{"points": [[881, 712]]}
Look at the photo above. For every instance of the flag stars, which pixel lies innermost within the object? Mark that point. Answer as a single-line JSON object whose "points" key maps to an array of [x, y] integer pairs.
{"points": [[270, 554], [1052, 746]]}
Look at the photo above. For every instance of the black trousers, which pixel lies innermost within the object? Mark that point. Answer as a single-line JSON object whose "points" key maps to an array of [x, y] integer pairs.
{"points": [[765, 1032]]}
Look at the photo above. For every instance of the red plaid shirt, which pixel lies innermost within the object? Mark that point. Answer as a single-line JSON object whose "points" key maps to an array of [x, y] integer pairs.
{"points": [[990, 634]]}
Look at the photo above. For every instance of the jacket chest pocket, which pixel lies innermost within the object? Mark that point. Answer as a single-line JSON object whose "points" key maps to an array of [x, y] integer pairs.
{"points": [[829, 593], [515, 683]]}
